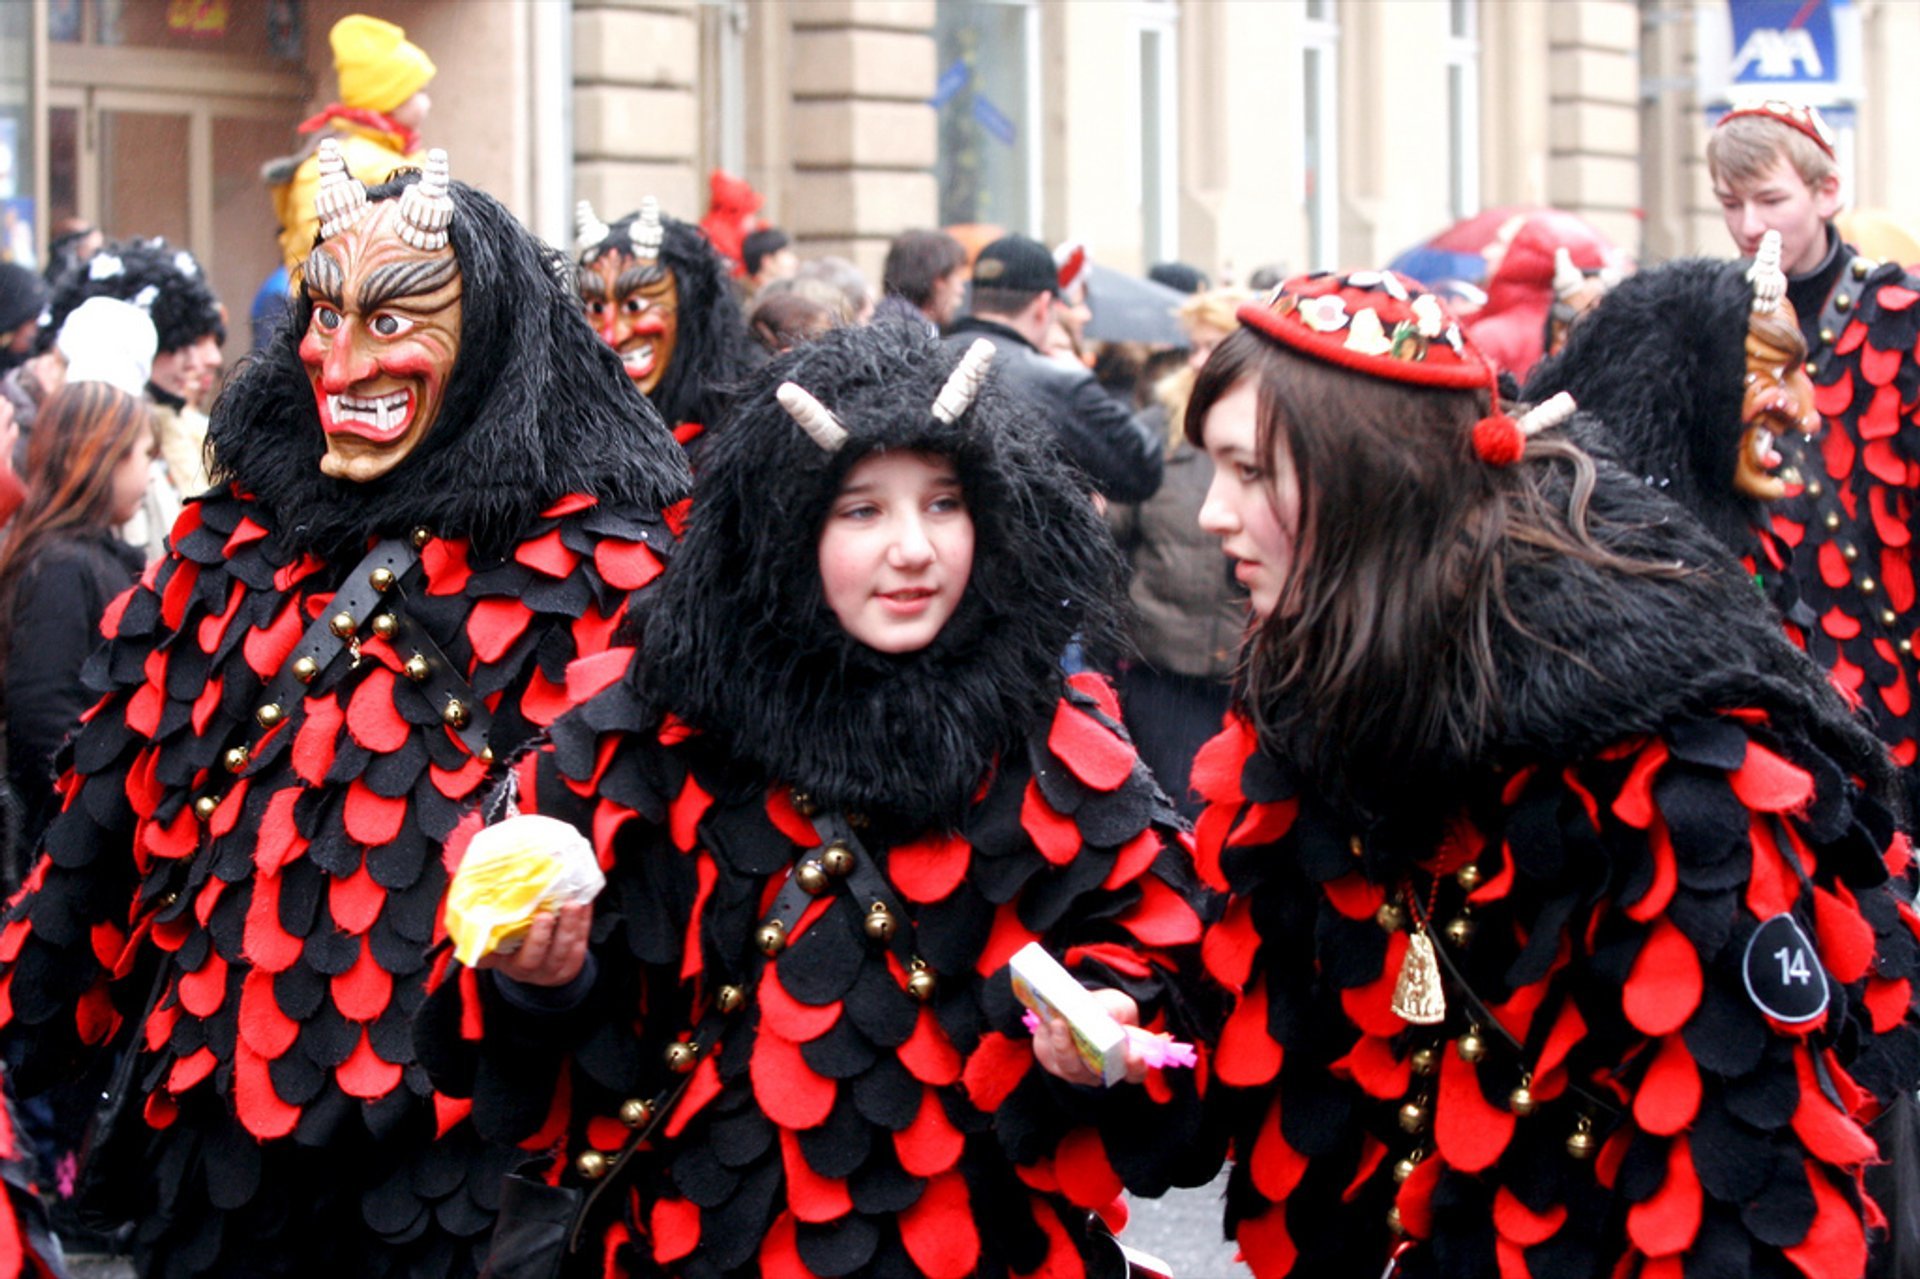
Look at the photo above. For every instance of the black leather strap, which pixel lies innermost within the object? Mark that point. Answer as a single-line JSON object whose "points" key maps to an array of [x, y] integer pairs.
{"points": [[867, 886], [1841, 299]]}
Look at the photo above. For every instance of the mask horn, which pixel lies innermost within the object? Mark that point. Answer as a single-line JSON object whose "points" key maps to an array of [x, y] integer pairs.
{"points": [[426, 209], [341, 200], [648, 233], [815, 418], [588, 226], [1553, 411], [956, 397], [1768, 280], [1567, 278]]}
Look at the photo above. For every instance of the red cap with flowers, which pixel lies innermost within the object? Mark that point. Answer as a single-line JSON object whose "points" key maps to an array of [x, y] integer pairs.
{"points": [[1387, 326], [1795, 115]]}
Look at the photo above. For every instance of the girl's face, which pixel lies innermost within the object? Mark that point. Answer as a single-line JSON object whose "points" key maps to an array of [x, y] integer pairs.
{"points": [[1253, 504], [897, 550], [131, 474]]}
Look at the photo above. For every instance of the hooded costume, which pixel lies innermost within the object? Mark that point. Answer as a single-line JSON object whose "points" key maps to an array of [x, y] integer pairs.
{"points": [[294, 704], [872, 1105], [657, 293], [1512, 327], [1612, 986]]}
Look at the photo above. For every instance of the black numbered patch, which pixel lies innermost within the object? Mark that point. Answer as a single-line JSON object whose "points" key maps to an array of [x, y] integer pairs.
{"points": [[1784, 977]]}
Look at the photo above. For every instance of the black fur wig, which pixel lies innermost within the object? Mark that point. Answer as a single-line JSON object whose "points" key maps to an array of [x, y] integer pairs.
{"points": [[183, 307], [710, 346], [537, 407], [1661, 362], [740, 641]]}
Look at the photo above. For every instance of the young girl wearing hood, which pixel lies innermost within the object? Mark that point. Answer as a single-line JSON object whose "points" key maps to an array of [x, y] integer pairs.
{"points": [[844, 783], [1570, 932]]}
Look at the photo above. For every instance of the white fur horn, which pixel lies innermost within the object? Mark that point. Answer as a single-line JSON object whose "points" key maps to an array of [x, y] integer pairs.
{"points": [[587, 225], [341, 200], [815, 418], [1567, 278], [426, 210], [1768, 280], [1547, 414], [956, 397], [648, 234]]}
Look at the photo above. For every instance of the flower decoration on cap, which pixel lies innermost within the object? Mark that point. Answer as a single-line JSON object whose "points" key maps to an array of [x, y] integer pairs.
{"points": [[1796, 116], [1768, 280]]}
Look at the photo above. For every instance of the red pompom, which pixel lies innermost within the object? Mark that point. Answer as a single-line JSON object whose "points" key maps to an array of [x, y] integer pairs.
{"points": [[1498, 440]]}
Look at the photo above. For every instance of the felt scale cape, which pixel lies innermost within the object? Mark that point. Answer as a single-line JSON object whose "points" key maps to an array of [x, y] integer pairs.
{"points": [[1670, 774], [842, 1127], [287, 930]]}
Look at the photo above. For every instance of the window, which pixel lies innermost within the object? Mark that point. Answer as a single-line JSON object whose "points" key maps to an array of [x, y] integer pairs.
{"points": [[1463, 108], [723, 85], [1159, 131], [1320, 143], [988, 97]]}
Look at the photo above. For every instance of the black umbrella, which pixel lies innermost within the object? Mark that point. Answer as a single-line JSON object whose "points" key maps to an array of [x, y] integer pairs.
{"points": [[1127, 308]]}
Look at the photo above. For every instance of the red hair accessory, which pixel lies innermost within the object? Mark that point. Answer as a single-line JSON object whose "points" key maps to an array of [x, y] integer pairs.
{"points": [[1500, 441], [1796, 116], [1070, 260]]}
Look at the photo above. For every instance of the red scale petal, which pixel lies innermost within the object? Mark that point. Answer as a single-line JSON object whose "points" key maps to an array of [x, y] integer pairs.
{"points": [[179, 589], [788, 1090], [355, 901], [1888, 523], [1882, 458], [1161, 917], [365, 1075], [266, 649], [1896, 576], [787, 1017], [1669, 1095], [997, 1066], [1522, 1225], [547, 554], [263, 1027], [203, 991], [589, 675], [1888, 1002], [1086, 1174], [1217, 765], [1370, 1007], [939, 1230], [626, 566], [1354, 895], [279, 841], [1470, 1132], [1896, 297], [1767, 783], [266, 945], [1265, 1245], [1664, 987], [1666, 1224], [1634, 804], [1415, 1198], [929, 868], [1836, 1244], [684, 814], [495, 625], [214, 626], [544, 701], [460, 782], [190, 1070], [1276, 1167], [1231, 944], [928, 1054], [1057, 837], [262, 1112], [1090, 750], [1008, 936], [1371, 1063], [372, 820], [313, 745], [1845, 937], [144, 707], [245, 533], [1829, 1135], [1666, 876], [1878, 368], [1248, 1055], [812, 1197], [445, 563], [930, 1144], [701, 1089], [1133, 859], [1841, 626], [571, 504], [364, 990], [371, 717], [206, 703], [1772, 888], [675, 1227]]}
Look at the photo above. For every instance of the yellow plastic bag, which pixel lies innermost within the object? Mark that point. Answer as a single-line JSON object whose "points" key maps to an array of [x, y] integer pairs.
{"points": [[513, 871]]}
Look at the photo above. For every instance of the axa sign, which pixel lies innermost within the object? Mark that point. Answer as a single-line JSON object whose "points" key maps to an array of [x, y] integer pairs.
{"points": [[1784, 42]]}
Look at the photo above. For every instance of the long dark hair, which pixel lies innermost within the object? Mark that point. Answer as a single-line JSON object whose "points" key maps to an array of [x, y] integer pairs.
{"points": [[83, 431]]}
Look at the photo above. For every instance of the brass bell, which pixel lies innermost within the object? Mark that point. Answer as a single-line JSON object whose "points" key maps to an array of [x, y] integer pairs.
{"points": [[1520, 1101], [1813, 488], [1811, 368], [1888, 617], [1826, 337], [803, 804], [728, 999], [1404, 1168], [681, 1056], [921, 982], [421, 536], [1831, 519], [1849, 553], [1791, 474], [591, 1164], [1468, 877], [837, 861], [486, 754], [1356, 846], [1860, 268], [1868, 586], [1424, 1060], [1580, 1142], [269, 715], [381, 579], [343, 625], [1393, 1220], [1391, 916], [1841, 302], [1413, 1116], [880, 923], [304, 669], [455, 713], [771, 937], [1906, 646], [416, 668], [385, 625], [1459, 930], [812, 878], [1471, 1046], [236, 759], [635, 1113], [204, 807]]}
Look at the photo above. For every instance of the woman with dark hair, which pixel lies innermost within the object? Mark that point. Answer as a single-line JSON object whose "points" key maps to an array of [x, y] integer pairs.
{"points": [[1570, 930], [62, 563], [843, 783]]}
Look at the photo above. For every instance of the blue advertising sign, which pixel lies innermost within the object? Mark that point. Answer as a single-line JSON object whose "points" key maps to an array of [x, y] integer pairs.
{"points": [[952, 80], [994, 120], [1784, 42]]}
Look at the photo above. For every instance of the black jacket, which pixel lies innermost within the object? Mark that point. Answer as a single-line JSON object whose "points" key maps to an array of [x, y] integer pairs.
{"points": [[1119, 456], [63, 595]]}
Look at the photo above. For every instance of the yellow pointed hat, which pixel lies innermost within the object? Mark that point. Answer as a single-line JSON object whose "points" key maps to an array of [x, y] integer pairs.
{"points": [[379, 68]]}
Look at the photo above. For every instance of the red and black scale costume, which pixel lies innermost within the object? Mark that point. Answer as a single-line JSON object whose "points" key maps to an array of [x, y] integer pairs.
{"points": [[1669, 774], [282, 1123], [843, 1127], [1851, 525]]}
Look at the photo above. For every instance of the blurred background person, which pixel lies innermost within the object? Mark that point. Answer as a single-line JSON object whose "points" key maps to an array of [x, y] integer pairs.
{"points": [[846, 277], [924, 279], [783, 318], [767, 255], [1189, 613], [23, 296]]}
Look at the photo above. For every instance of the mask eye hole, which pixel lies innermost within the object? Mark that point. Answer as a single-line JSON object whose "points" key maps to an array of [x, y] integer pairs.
{"points": [[326, 317]]}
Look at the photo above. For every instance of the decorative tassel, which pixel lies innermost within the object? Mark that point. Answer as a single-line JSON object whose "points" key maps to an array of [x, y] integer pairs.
{"points": [[818, 421], [964, 382], [1500, 441]]}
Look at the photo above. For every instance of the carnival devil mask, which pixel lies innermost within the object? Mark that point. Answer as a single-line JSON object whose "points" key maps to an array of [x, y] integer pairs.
{"points": [[630, 297], [1779, 394], [385, 330]]}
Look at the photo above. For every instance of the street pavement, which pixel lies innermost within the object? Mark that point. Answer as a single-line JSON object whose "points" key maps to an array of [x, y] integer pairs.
{"points": [[1183, 1229]]}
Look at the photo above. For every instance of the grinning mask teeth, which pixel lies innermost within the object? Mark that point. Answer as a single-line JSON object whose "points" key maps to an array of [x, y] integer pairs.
{"points": [[385, 330]]}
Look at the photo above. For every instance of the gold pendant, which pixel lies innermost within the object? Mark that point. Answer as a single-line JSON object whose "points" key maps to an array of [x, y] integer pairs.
{"points": [[1417, 997]]}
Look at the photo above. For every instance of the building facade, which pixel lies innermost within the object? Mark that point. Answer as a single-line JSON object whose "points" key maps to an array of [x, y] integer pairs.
{"points": [[1227, 133]]}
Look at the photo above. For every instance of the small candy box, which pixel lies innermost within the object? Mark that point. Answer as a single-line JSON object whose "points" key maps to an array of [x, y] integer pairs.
{"points": [[1050, 991], [512, 872]]}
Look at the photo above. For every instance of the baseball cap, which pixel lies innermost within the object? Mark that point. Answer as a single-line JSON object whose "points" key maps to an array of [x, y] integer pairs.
{"points": [[1017, 264]]}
